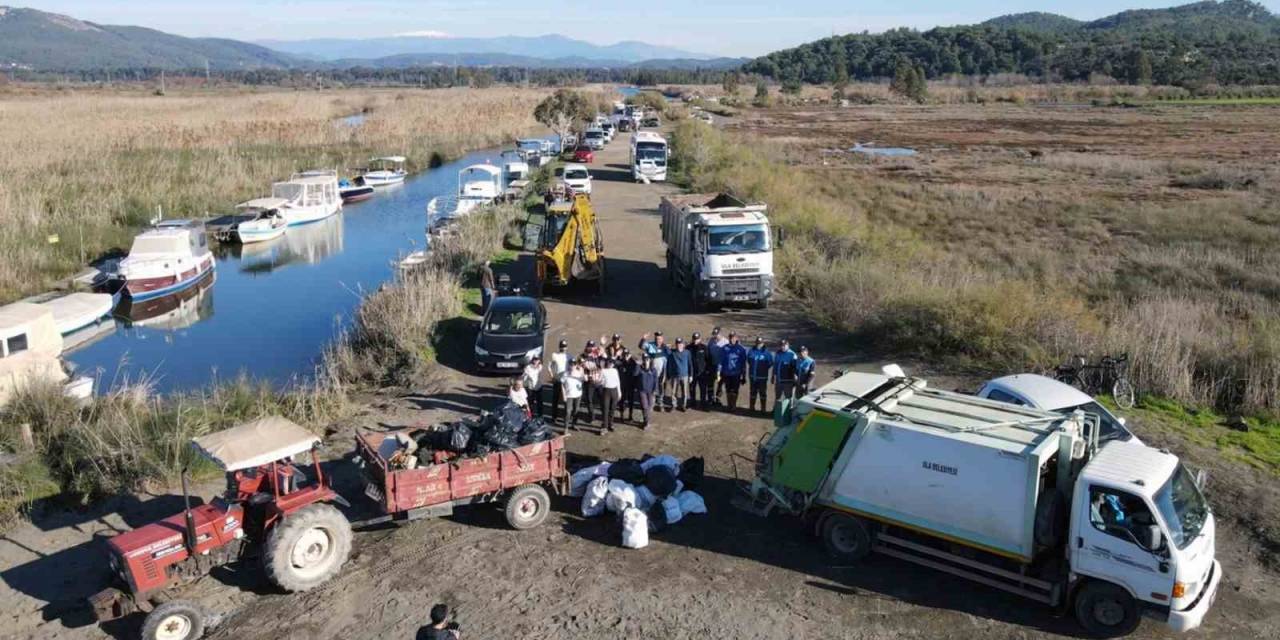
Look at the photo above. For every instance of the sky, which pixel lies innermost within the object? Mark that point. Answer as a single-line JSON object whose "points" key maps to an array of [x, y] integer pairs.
{"points": [[720, 27]]}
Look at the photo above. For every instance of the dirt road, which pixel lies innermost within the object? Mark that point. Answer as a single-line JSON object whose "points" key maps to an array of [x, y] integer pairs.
{"points": [[723, 575]]}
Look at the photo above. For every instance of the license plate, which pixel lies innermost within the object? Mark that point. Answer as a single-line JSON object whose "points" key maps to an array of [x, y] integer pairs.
{"points": [[508, 365], [740, 298], [372, 490]]}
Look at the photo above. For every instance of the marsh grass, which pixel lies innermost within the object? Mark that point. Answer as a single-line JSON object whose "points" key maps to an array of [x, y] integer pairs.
{"points": [[91, 166]]}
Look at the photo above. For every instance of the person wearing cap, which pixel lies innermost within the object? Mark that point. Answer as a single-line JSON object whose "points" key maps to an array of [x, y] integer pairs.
{"points": [[806, 372], [715, 348], [646, 387], [610, 392], [627, 368], [784, 372], [733, 366], [559, 366], [488, 286], [615, 348], [532, 379], [571, 385], [657, 350], [759, 366], [700, 372], [680, 367], [591, 379]]}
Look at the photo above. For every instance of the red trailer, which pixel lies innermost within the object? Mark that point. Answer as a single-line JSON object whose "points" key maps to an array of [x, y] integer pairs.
{"points": [[518, 477]]}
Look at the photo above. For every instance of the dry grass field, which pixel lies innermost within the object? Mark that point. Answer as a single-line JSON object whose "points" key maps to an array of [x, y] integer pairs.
{"points": [[92, 165], [1022, 234]]}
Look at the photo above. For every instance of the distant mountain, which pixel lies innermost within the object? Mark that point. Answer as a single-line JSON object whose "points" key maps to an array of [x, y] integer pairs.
{"points": [[1227, 42], [1034, 21], [546, 47], [49, 41], [508, 60], [691, 64]]}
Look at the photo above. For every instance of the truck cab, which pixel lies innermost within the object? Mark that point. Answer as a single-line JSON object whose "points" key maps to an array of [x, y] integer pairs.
{"points": [[1016, 498], [719, 248]]}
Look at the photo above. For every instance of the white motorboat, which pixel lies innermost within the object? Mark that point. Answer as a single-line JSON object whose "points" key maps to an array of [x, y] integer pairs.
{"points": [[74, 310], [168, 258], [308, 198], [384, 172], [514, 166], [479, 185], [264, 222]]}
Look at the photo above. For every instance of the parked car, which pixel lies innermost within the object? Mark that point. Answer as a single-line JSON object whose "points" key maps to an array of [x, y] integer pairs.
{"points": [[584, 154], [594, 138], [512, 331], [1041, 392], [609, 130], [577, 178]]}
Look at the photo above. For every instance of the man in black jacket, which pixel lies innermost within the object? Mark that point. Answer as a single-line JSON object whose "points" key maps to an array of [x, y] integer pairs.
{"points": [[702, 371], [440, 627]]}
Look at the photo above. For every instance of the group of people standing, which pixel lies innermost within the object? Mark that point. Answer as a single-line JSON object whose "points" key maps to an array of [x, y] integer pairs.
{"points": [[609, 377]]}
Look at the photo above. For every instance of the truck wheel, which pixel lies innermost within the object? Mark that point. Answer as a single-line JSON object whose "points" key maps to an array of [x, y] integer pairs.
{"points": [[527, 507], [1106, 611], [307, 548], [846, 538], [177, 620], [764, 303]]}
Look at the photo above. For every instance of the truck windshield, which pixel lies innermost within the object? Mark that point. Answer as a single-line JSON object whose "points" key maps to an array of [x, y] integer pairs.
{"points": [[1182, 506], [738, 238], [655, 151]]}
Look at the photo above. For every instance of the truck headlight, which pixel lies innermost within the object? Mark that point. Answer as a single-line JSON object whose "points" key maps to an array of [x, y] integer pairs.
{"points": [[480, 351]]}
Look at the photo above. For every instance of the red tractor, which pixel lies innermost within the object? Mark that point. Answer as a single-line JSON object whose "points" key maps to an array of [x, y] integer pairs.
{"points": [[270, 509]]}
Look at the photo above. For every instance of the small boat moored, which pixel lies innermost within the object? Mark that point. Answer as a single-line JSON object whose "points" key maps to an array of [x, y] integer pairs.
{"points": [[168, 258], [354, 190], [75, 310], [386, 171], [30, 346], [260, 220], [309, 197]]}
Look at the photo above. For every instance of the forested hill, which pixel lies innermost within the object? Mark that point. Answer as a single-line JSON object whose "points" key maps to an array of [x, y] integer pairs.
{"points": [[1228, 42]]}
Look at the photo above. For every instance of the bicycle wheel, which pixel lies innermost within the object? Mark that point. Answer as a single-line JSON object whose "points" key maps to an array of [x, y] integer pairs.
{"points": [[1124, 393]]}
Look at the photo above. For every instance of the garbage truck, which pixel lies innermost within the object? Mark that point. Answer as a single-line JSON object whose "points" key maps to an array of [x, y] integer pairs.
{"points": [[719, 248], [1010, 497]]}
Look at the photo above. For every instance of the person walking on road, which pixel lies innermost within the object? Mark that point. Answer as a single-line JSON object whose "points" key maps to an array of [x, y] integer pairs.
{"points": [[759, 366], [715, 350], [532, 378], [559, 367], [784, 372], [440, 628], [701, 375], [488, 287], [647, 385], [733, 366], [610, 392], [679, 366], [571, 385], [806, 372]]}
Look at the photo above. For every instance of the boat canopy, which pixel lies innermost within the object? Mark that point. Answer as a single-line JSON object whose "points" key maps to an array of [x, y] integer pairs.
{"points": [[256, 443], [481, 168], [263, 203], [34, 320], [161, 242]]}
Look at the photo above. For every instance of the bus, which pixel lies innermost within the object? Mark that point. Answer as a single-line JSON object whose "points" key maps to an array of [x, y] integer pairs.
{"points": [[648, 157]]}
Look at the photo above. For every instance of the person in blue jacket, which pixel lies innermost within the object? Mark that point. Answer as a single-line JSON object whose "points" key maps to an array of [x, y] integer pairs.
{"points": [[759, 367], [806, 372], [646, 384], [784, 372], [680, 373], [733, 366]]}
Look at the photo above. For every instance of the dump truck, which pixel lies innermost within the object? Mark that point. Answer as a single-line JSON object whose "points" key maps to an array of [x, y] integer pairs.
{"points": [[571, 247], [719, 248], [1011, 497]]}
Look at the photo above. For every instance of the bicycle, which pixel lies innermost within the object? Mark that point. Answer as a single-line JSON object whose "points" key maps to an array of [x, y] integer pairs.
{"points": [[1109, 375]]}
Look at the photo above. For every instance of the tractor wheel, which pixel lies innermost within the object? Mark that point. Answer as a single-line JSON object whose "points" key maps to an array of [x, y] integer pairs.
{"points": [[846, 538], [176, 620], [527, 507], [307, 548]]}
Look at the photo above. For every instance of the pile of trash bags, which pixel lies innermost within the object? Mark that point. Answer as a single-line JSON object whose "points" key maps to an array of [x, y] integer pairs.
{"points": [[506, 428], [647, 495]]}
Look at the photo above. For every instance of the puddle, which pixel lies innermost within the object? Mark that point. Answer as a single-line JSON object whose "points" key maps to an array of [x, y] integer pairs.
{"points": [[353, 120], [871, 150]]}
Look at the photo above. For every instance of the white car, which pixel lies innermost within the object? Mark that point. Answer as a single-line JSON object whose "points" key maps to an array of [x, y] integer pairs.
{"points": [[1040, 392], [594, 138], [577, 178], [609, 130]]}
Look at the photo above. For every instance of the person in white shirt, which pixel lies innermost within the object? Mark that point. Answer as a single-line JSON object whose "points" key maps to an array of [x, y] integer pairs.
{"points": [[611, 392], [532, 379], [518, 396], [559, 365], [571, 386]]}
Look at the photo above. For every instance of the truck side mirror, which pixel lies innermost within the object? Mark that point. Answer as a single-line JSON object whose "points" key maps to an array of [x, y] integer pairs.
{"points": [[1152, 538]]}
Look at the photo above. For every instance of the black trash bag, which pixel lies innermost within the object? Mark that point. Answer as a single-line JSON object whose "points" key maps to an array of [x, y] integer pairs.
{"points": [[459, 436], [535, 430], [657, 517], [511, 416], [426, 457], [661, 481], [480, 448], [627, 470], [502, 437], [692, 471]]}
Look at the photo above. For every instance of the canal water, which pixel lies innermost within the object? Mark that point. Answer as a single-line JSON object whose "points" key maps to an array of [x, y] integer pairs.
{"points": [[269, 308]]}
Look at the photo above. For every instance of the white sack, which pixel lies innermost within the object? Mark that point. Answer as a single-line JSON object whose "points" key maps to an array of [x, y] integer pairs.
{"points": [[593, 497], [635, 529], [578, 481], [620, 496]]}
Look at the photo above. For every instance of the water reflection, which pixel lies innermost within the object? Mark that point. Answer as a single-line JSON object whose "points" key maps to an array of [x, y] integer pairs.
{"points": [[305, 244], [172, 312]]}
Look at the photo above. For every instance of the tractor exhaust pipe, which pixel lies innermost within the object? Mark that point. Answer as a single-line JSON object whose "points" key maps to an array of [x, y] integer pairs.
{"points": [[189, 536]]}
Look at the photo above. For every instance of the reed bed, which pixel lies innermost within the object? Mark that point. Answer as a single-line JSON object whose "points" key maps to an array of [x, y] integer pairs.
{"points": [[91, 167]]}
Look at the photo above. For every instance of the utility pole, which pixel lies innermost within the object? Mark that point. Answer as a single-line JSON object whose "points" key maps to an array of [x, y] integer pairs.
{"points": [[162, 90], [206, 71]]}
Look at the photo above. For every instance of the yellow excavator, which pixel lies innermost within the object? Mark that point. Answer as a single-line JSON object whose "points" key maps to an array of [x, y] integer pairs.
{"points": [[572, 246]]}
